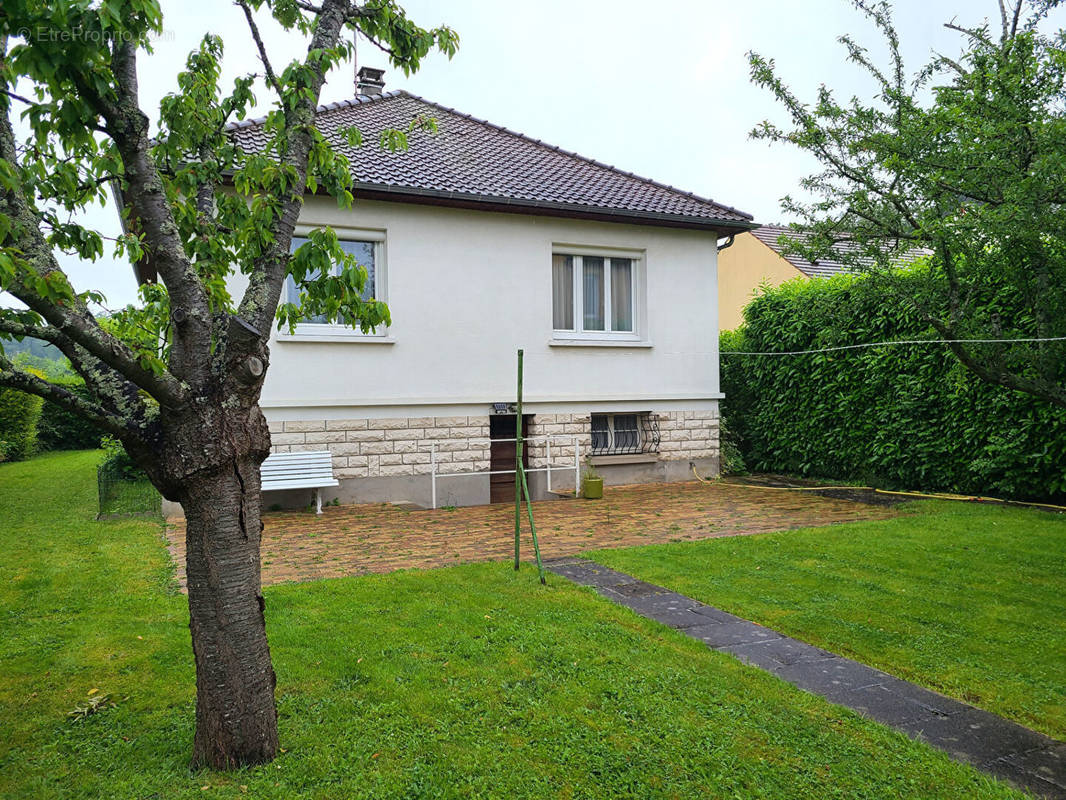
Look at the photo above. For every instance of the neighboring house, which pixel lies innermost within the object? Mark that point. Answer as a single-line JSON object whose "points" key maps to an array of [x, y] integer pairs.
{"points": [[755, 259], [483, 241]]}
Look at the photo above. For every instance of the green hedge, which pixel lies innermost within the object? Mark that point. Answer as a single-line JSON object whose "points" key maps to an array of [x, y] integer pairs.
{"points": [[19, 413], [60, 429], [903, 416]]}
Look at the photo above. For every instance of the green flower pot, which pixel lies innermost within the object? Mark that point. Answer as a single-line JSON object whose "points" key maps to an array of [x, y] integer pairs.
{"points": [[592, 489]]}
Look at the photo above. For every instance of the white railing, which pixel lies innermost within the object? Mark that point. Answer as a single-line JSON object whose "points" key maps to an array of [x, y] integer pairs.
{"points": [[576, 466]]}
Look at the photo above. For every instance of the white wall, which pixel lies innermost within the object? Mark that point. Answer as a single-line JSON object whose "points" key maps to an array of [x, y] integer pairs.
{"points": [[467, 289]]}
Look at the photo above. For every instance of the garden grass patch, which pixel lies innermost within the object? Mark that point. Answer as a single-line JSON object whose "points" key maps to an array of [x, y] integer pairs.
{"points": [[966, 599], [469, 681]]}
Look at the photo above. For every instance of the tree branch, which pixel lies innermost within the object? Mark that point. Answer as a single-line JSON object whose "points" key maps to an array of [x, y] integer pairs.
{"points": [[383, 48], [1014, 21], [987, 371], [115, 395], [144, 194], [15, 328], [14, 378], [260, 300], [72, 321], [977, 36], [271, 76], [952, 63], [18, 97], [112, 390]]}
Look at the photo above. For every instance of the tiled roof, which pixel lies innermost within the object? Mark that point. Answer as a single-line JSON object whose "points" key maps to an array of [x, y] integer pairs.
{"points": [[472, 161], [770, 235]]}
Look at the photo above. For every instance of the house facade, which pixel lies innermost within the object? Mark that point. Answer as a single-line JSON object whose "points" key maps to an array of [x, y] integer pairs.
{"points": [[482, 241], [757, 258]]}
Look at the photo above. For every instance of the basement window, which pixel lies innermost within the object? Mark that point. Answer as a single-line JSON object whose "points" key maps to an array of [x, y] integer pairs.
{"points": [[625, 434]]}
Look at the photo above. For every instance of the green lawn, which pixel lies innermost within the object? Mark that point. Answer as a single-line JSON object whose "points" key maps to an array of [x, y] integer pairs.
{"points": [[966, 599], [464, 682]]}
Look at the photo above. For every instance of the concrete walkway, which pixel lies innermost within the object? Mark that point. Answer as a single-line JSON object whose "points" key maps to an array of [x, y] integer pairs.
{"points": [[1030, 760]]}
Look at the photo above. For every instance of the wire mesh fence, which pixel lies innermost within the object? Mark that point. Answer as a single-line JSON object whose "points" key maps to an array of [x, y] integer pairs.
{"points": [[123, 495]]}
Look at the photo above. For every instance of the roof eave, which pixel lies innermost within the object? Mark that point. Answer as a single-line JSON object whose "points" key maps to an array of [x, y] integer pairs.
{"points": [[142, 273], [511, 205]]}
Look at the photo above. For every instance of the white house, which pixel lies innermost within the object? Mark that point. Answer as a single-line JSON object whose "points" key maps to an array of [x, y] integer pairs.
{"points": [[483, 241]]}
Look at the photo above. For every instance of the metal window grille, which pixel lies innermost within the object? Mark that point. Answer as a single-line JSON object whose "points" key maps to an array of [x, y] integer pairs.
{"points": [[625, 434]]}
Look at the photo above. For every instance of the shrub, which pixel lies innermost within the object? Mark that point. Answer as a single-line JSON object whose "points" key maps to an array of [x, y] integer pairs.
{"points": [[907, 416], [19, 413], [117, 462], [123, 487], [59, 429], [731, 455]]}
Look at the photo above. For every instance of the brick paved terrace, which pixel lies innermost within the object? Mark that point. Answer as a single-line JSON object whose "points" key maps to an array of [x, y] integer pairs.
{"points": [[360, 539]]}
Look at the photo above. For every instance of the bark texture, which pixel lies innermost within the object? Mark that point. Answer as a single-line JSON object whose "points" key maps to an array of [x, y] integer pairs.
{"points": [[236, 716]]}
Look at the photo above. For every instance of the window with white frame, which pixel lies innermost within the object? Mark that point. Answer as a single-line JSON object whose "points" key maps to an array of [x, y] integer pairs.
{"points": [[622, 434], [594, 296], [367, 247]]}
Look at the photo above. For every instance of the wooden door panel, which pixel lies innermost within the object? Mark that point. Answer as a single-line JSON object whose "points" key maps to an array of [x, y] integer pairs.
{"points": [[502, 457]]}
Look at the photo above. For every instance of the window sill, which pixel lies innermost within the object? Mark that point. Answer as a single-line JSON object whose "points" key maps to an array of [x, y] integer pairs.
{"points": [[339, 338], [607, 460], [599, 343]]}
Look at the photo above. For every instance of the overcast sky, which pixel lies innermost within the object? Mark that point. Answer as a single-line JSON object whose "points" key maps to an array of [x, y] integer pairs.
{"points": [[657, 88]]}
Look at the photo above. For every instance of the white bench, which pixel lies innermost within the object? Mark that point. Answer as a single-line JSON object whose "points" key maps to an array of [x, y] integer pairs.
{"points": [[305, 470]]}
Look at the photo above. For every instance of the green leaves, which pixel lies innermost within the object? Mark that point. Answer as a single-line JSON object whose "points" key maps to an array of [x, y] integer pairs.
{"points": [[352, 135], [65, 54], [908, 417], [968, 161], [331, 284], [145, 327], [197, 208], [396, 140], [385, 21]]}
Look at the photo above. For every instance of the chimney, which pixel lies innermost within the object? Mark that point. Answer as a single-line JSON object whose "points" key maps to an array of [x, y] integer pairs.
{"points": [[369, 80]]}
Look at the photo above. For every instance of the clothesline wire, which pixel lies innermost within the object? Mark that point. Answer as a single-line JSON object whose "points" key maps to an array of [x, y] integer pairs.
{"points": [[893, 342]]}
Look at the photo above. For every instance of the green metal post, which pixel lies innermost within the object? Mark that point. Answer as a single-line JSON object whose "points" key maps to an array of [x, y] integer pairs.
{"points": [[533, 529], [518, 475]]}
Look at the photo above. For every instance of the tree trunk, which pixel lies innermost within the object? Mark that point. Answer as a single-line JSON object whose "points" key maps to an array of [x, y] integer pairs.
{"points": [[236, 718]]}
